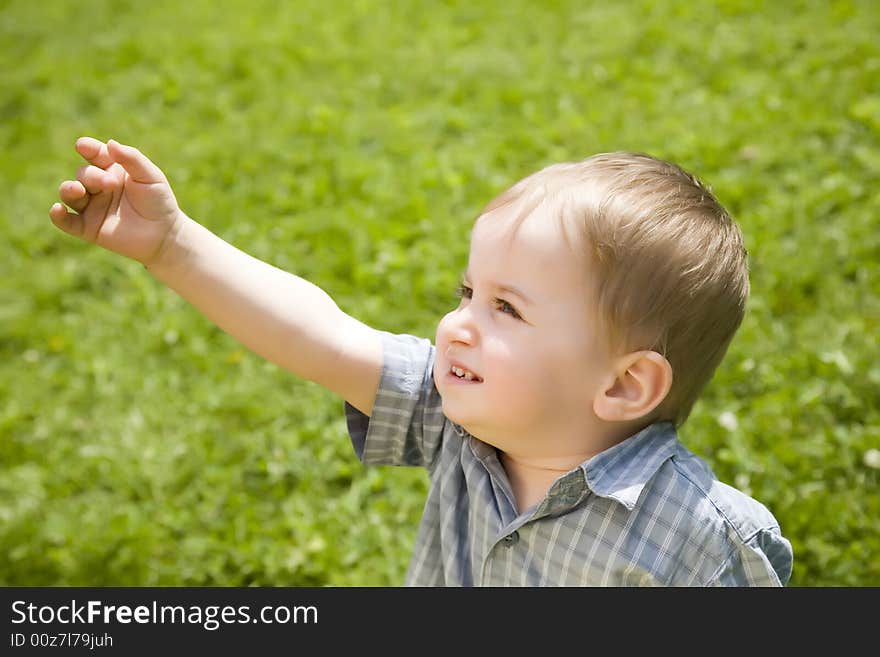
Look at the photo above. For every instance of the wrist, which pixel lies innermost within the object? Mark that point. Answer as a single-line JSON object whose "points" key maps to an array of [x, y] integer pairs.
{"points": [[175, 250]]}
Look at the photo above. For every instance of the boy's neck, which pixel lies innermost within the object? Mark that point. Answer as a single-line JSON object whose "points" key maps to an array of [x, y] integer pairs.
{"points": [[531, 477], [530, 481]]}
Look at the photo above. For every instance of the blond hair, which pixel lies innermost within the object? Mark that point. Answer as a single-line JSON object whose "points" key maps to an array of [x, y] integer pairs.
{"points": [[666, 261]]}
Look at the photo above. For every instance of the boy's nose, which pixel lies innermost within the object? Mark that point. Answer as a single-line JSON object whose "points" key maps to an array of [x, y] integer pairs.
{"points": [[462, 327]]}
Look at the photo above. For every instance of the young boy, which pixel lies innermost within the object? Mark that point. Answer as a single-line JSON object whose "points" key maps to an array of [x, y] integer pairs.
{"points": [[598, 300]]}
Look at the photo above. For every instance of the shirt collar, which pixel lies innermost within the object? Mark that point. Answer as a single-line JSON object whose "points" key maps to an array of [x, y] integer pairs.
{"points": [[621, 472]]}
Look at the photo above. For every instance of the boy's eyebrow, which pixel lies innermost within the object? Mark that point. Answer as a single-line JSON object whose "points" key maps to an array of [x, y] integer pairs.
{"points": [[504, 288]]}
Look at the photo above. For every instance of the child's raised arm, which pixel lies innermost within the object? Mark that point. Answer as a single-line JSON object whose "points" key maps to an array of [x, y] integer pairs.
{"points": [[123, 202]]}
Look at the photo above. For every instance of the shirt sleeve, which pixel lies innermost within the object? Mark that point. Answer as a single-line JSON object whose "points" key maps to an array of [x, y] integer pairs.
{"points": [[406, 424], [765, 560]]}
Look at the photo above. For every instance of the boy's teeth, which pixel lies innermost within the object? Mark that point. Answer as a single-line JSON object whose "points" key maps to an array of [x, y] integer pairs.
{"points": [[461, 373]]}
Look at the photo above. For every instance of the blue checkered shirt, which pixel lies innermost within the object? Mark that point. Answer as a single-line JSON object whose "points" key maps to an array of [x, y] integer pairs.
{"points": [[646, 512]]}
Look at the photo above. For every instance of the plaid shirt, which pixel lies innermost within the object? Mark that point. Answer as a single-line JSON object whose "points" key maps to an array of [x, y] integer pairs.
{"points": [[644, 512]]}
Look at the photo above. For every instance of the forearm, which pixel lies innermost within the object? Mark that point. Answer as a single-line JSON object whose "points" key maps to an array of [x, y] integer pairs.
{"points": [[122, 202], [279, 316]]}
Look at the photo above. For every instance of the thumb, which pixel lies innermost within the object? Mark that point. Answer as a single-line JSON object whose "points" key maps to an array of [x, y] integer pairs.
{"points": [[135, 163]]}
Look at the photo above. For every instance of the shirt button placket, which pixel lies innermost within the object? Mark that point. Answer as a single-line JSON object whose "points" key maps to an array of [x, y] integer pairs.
{"points": [[507, 541]]}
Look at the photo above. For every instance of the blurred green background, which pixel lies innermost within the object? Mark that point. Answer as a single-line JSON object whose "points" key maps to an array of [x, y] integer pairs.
{"points": [[353, 143]]}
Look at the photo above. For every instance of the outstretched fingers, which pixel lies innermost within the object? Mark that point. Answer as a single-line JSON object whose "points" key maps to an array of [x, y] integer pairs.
{"points": [[85, 195], [103, 156]]}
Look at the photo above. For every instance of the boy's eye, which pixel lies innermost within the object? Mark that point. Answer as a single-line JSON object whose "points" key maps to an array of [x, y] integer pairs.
{"points": [[505, 307], [465, 292]]}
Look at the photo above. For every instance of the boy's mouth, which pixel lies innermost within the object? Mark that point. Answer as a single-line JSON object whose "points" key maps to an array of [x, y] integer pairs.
{"points": [[462, 373]]}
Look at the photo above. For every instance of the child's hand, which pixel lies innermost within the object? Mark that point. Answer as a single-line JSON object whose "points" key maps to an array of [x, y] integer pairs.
{"points": [[123, 201]]}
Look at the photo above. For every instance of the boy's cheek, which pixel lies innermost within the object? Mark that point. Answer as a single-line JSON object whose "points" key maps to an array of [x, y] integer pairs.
{"points": [[440, 338], [436, 375]]}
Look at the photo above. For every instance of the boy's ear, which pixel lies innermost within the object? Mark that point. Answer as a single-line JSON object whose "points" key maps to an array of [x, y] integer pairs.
{"points": [[642, 380]]}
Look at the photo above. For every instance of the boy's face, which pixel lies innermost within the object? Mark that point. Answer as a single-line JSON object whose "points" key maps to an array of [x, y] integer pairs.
{"points": [[525, 335]]}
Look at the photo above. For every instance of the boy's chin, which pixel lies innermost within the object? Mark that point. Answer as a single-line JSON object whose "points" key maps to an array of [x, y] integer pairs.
{"points": [[464, 418], [456, 414]]}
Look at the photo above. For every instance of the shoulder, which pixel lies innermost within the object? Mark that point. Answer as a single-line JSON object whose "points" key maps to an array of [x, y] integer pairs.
{"points": [[744, 515], [740, 534]]}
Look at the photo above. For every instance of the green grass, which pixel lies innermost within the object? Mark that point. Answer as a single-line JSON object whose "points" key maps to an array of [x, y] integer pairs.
{"points": [[353, 143]]}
